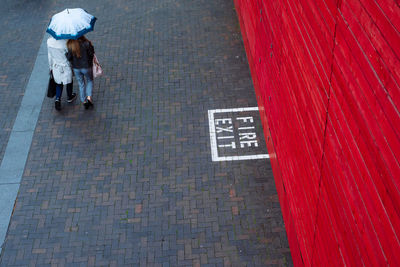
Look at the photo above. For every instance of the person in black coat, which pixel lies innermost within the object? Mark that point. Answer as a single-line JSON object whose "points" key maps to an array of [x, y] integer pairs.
{"points": [[80, 54]]}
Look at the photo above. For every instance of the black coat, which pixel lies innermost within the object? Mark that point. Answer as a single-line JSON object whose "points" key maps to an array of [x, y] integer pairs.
{"points": [[86, 59]]}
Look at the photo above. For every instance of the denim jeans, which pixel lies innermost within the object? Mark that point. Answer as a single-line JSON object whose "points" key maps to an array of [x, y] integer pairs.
{"points": [[59, 89], [85, 81]]}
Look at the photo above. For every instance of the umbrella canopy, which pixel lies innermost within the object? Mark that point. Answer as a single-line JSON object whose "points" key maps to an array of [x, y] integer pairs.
{"points": [[71, 23]]}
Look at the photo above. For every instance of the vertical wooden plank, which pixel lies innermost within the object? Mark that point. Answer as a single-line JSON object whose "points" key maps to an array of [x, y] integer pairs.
{"points": [[339, 188], [379, 34], [391, 10]]}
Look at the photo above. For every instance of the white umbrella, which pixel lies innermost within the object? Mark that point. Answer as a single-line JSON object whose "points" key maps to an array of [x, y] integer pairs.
{"points": [[71, 23]]}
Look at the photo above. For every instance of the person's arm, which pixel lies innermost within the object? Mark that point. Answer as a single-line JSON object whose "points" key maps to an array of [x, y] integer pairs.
{"points": [[90, 50], [68, 55]]}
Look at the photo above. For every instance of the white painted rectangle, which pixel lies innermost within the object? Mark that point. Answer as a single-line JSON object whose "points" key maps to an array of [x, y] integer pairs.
{"points": [[213, 136]]}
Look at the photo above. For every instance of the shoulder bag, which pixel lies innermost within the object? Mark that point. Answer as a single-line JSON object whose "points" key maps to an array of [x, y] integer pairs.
{"points": [[97, 70]]}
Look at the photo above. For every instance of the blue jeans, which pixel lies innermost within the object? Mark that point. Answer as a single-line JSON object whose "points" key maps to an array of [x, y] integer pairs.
{"points": [[85, 81]]}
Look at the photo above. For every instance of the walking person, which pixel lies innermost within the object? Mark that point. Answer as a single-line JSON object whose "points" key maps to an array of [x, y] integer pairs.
{"points": [[61, 69], [80, 54]]}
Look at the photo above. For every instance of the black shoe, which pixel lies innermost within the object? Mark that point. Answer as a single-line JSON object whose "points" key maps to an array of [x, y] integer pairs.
{"points": [[90, 103], [72, 98], [57, 104], [86, 104]]}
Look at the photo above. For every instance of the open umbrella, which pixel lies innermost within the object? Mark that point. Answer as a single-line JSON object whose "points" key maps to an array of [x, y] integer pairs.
{"points": [[71, 23]]}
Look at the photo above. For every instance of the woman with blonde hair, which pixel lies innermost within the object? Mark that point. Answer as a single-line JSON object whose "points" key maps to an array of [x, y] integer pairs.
{"points": [[80, 54]]}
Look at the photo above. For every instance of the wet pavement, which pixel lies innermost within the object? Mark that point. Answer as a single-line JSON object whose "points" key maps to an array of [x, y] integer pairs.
{"points": [[132, 182]]}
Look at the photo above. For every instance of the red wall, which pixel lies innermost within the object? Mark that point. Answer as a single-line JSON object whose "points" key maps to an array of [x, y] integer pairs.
{"points": [[327, 77]]}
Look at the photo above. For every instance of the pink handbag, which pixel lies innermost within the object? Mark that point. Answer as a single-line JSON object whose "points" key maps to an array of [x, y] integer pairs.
{"points": [[97, 70]]}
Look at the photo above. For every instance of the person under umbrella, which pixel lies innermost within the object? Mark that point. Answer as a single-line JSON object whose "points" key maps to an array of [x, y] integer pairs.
{"points": [[71, 25], [60, 69], [80, 54]]}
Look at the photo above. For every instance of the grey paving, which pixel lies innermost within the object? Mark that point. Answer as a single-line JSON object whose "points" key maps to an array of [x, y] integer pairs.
{"points": [[7, 199], [22, 28], [14, 160]]}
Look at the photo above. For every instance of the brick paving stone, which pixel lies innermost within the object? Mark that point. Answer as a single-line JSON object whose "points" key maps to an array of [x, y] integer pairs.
{"points": [[19, 44], [131, 182]]}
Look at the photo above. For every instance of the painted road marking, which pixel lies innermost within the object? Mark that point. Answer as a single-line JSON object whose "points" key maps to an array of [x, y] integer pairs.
{"points": [[233, 133]]}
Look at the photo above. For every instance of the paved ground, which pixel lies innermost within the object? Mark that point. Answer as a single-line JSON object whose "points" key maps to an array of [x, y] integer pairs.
{"points": [[131, 182], [19, 42]]}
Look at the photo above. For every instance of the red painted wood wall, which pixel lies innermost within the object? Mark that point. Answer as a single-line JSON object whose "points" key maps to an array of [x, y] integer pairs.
{"points": [[327, 79]]}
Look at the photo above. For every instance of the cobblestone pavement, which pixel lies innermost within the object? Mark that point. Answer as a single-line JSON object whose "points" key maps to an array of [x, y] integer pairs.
{"points": [[131, 182], [19, 44]]}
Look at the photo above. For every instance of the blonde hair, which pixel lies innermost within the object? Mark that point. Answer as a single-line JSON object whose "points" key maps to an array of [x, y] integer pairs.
{"points": [[74, 45]]}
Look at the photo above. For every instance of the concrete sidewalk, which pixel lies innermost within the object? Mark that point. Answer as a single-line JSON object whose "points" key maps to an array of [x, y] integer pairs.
{"points": [[132, 182]]}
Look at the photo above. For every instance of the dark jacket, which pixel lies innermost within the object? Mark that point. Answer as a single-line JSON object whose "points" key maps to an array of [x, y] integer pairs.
{"points": [[86, 59]]}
